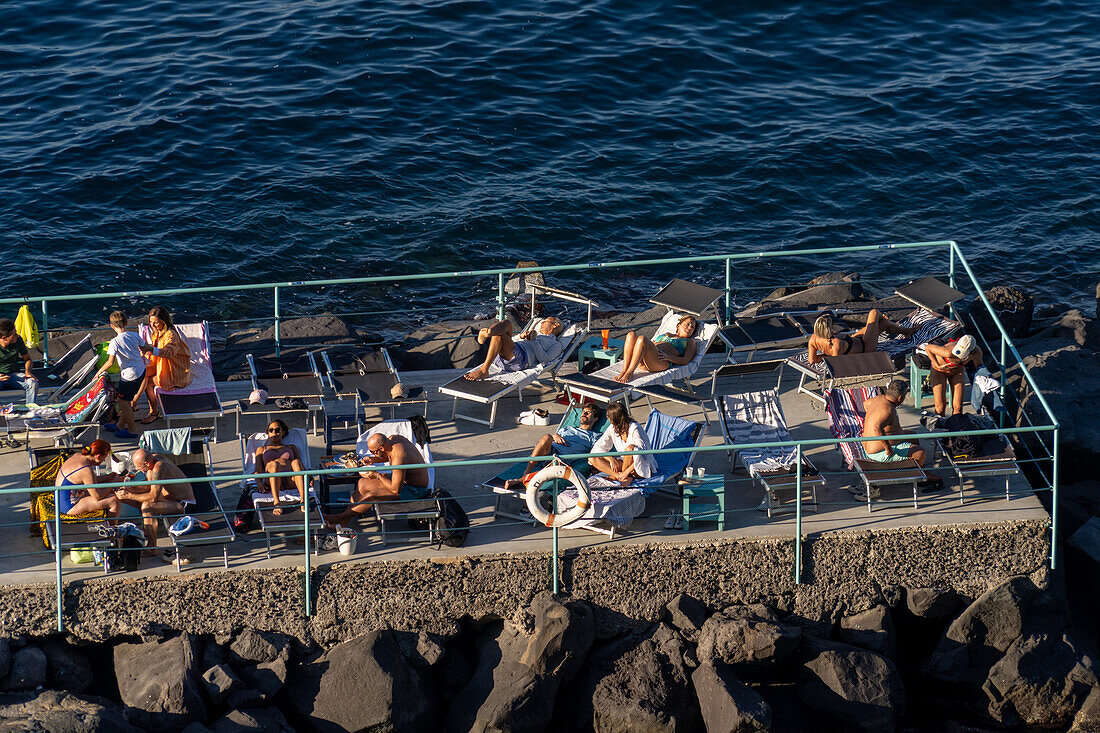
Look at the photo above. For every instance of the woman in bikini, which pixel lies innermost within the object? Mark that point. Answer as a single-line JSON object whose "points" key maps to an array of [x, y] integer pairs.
{"points": [[78, 471], [169, 360], [825, 340], [660, 353], [274, 456]]}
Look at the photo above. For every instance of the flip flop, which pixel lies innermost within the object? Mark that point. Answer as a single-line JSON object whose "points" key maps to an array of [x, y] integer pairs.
{"points": [[670, 522], [149, 419]]}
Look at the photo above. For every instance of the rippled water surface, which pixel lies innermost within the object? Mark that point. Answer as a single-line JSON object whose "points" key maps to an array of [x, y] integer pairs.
{"points": [[207, 143]]}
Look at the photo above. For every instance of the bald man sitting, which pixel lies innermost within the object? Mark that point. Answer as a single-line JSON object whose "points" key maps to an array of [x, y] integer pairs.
{"points": [[156, 500], [396, 483]]}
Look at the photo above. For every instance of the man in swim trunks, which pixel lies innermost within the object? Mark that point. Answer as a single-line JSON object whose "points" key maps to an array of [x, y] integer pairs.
{"points": [[569, 439], [535, 346], [948, 364], [396, 483], [156, 500], [881, 420]]}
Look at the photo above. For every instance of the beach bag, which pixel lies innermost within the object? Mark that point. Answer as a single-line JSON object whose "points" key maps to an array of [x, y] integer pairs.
{"points": [[244, 520], [81, 555], [127, 543], [453, 526], [961, 446]]}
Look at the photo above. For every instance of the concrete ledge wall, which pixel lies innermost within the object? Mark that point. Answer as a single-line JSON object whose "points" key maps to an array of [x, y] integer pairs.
{"points": [[844, 573]]}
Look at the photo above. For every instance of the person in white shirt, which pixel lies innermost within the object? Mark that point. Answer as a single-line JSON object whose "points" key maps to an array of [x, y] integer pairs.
{"points": [[125, 350], [534, 346], [624, 436]]}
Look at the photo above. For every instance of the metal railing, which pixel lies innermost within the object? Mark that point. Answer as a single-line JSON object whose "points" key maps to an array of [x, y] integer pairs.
{"points": [[956, 260]]}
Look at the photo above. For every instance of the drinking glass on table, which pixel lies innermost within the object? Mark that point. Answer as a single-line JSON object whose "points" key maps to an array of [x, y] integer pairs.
{"points": [[604, 335]]}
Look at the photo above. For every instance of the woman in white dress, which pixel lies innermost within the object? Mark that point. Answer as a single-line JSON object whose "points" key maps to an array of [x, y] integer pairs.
{"points": [[624, 436]]}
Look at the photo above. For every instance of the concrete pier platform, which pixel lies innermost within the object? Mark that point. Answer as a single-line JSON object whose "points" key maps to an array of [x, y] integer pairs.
{"points": [[25, 560]]}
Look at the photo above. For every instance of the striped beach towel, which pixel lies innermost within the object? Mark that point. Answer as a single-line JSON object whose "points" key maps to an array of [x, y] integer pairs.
{"points": [[844, 408], [757, 417]]}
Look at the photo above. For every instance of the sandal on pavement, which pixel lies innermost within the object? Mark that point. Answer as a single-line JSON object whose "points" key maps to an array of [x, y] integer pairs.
{"points": [[150, 418], [670, 522]]}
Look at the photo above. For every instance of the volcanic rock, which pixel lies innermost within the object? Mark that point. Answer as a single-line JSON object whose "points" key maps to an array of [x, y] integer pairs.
{"points": [[872, 629], [749, 638], [727, 704], [855, 688], [158, 680], [28, 669]]}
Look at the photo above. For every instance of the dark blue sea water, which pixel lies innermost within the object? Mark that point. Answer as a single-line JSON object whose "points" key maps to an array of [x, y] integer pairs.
{"points": [[206, 143]]}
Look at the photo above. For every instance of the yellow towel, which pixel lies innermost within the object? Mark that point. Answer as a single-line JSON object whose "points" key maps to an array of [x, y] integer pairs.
{"points": [[26, 327]]}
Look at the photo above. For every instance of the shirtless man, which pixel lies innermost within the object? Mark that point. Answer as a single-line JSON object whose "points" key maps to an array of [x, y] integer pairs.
{"points": [[396, 483], [534, 347], [156, 500], [882, 420], [948, 364]]}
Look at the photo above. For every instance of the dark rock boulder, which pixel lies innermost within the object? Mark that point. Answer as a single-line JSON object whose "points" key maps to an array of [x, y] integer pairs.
{"points": [[1070, 327], [748, 638], [1040, 681], [364, 683], [637, 683], [1066, 376], [5, 658], [251, 647], [1014, 309], [854, 688], [28, 669], [268, 677], [982, 632], [685, 613], [220, 682], [872, 629], [159, 682], [246, 697], [67, 668], [933, 604], [247, 721], [447, 345], [519, 670], [728, 705], [61, 712], [1088, 717]]}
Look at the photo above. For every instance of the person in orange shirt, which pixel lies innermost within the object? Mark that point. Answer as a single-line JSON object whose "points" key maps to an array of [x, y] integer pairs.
{"points": [[169, 360]]}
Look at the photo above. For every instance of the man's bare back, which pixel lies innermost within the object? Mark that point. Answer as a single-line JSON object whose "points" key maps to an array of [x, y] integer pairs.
{"points": [[881, 418]]}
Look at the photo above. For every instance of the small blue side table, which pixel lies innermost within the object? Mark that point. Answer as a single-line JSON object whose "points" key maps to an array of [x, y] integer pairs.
{"points": [[593, 349], [708, 487]]}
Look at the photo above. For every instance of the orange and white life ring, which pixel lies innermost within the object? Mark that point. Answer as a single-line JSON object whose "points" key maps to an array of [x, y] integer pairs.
{"points": [[558, 471]]}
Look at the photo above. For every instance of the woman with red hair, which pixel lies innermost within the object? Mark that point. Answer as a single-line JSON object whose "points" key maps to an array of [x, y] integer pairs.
{"points": [[78, 472]]}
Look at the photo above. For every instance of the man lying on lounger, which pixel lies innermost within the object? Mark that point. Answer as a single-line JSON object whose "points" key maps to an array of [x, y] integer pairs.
{"points": [[156, 500], [397, 483], [533, 347], [567, 440]]}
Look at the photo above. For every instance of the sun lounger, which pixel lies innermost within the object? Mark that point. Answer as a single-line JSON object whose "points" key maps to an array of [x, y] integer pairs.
{"points": [[286, 378], [757, 417], [291, 520], [392, 512], [368, 378], [497, 484], [499, 383], [76, 530], [616, 506], [199, 400], [57, 381], [929, 293], [994, 458], [835, 370], [195, 463], [762, 333], [845, 411], [680, 297], [73, 419]]}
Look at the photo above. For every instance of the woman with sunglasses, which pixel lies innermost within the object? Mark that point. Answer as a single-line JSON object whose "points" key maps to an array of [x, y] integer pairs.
{"points": [[275, 456]]}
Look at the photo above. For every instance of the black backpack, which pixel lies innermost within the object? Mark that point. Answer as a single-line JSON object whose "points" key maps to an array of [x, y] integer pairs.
{"points": [[244, 520], [453, 526]]}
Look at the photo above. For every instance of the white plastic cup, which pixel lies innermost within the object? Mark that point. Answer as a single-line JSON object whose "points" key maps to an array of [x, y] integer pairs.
{"points": [[689, 472], [702, 472]]}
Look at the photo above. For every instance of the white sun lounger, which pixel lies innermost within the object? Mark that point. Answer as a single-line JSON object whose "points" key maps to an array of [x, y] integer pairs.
{"points": [[291, 520], [199, 400]]}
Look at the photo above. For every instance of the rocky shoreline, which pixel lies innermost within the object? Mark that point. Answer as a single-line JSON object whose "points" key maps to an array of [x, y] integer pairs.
{"points": [[1002, 660]]}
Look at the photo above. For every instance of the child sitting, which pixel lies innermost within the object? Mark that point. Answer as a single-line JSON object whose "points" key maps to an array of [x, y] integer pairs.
{"points": [[124, 350]]}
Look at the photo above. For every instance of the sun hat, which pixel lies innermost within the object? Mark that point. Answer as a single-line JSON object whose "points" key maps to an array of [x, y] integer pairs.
{"points": [[257, 397]]}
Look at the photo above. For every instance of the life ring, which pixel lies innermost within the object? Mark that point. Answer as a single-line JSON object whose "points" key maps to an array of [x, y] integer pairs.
{"points": [[556, 471]]}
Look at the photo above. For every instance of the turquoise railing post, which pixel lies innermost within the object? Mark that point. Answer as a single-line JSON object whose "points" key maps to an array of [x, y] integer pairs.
{"points": [[729, 310], [798, 515], [1054, 505], [57, 562], [278, 342], [500, 296], [554, 560], [305, 529], [1004, 378], [951, 265], [45, 333]]}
